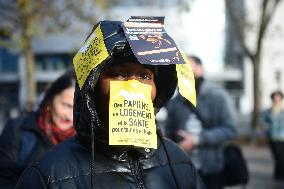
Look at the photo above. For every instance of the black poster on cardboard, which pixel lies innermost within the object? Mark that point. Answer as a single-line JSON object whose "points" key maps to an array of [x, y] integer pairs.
{"points": [[150, 42]]}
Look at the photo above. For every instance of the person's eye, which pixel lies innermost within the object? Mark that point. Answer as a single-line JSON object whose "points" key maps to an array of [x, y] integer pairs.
{"points": [[66, 105], [146, 76], [122, 75]]}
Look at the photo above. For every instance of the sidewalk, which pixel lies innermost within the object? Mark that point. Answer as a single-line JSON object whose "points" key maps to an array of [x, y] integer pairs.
{"points": [[261, 169]]}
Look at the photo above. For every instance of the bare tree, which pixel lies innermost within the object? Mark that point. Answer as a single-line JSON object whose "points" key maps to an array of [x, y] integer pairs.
{"points": [[267, 10], [26, 17]]}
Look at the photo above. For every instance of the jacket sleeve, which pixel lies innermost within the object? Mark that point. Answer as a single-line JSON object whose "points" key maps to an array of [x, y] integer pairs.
{"points": [[31, 178], [175, 114], [224, 128], [10, 169], [169, 124], [265, 120], [198, 181]]}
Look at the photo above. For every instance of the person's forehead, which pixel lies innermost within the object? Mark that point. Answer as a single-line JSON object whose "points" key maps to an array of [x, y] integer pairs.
{"points": [[131, 64], [277, 95], [124, 63]]}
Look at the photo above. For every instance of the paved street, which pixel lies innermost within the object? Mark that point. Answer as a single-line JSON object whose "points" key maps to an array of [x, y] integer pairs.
{"points": [[261, 169]]}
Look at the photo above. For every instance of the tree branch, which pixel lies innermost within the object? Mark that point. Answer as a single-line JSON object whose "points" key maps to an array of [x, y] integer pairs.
{"points": [[239, 25], [266, 16]]}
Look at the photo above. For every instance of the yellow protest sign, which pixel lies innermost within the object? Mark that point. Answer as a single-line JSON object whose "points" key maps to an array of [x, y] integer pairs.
{"points": [[91, 54], [186, 83], [131, 114]]}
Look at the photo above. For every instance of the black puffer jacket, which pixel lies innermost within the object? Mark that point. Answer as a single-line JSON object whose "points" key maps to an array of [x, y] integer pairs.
{"points": [[87, 160], [68, 166], [21, 143]]}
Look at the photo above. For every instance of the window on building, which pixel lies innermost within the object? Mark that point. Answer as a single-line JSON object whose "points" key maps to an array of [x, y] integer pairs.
{"points": [[8, 60], [52, 62], [162, 3], [8, 96]]}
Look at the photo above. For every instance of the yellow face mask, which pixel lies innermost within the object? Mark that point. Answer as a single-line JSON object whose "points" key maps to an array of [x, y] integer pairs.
{"points": [[131, 115]]}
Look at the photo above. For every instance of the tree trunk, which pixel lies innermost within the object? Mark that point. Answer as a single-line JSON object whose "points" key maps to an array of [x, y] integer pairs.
{"points": [[30, 72], [28, 52], [256, 91]]}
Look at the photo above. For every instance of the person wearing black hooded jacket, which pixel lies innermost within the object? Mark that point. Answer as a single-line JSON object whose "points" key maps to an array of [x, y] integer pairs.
{"points": [[87, 160]]}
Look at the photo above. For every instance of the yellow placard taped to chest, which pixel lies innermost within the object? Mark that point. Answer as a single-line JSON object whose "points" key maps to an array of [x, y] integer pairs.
{"points": [[91, 54], [186, 83], [131, 115]]}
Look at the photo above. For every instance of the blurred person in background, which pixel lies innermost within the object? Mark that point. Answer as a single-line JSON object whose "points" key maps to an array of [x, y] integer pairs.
{"points": [[202, 132], [273, 121], [26, 138], [29, 107]]}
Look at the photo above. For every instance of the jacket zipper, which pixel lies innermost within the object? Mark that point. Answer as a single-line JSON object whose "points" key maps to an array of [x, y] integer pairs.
{"points": [[135, 169]]}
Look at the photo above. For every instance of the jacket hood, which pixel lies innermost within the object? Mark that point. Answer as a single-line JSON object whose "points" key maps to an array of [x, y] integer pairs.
{"points": [[85, 114]]}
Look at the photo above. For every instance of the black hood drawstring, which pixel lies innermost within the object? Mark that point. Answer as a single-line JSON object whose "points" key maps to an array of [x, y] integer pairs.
{"points": [[92, 155], [93, 121], [94, 118]]}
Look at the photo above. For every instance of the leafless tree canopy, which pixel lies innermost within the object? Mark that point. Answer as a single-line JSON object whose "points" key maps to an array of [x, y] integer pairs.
{"points": [[267, 10]]}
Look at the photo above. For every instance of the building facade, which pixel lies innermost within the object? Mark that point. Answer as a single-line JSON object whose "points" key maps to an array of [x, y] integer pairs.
{"points": [[196, 28]]}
